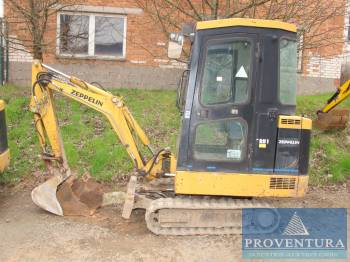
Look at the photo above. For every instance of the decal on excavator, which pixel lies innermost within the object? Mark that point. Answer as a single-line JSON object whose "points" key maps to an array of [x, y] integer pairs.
{"points": [[87, 98], [288, 142]]}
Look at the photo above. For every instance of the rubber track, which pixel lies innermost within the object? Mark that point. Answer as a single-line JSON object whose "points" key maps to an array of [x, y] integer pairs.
{"points": [[206, 203]]}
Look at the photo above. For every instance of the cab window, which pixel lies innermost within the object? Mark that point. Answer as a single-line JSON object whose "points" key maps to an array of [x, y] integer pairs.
{"points": [[221, 140], [287, 71], [226, 73]]}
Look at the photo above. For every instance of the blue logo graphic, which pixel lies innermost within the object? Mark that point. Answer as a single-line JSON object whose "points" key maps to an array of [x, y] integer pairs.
{"points": [[294, 233]]}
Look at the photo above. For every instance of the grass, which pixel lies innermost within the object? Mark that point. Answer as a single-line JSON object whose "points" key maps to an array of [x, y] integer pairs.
{"points": [[330, 154], [90, 143], [92, 146]]}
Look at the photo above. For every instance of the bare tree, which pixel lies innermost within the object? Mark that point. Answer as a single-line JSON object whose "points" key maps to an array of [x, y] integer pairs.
{"points": [[316, 19], [30, 20]]}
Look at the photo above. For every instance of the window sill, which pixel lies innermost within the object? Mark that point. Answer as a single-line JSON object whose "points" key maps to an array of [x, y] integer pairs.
{"points": [[88, 57]]}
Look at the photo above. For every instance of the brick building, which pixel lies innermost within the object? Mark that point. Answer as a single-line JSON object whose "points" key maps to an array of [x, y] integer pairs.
{"points": [[121, 46]]}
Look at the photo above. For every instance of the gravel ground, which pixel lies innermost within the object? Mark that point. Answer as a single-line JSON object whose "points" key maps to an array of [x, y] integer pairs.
{"points": [[30, 234]]}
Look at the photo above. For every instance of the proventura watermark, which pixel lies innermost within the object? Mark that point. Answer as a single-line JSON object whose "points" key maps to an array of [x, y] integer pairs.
{"points": [[293, 243], [294, 233]]}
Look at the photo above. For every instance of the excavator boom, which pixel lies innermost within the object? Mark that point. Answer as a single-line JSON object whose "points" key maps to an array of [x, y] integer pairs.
{"points": [[46, 81]]}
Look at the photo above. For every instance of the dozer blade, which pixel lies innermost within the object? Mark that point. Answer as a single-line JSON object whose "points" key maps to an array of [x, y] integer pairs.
{"points": [[335, 119], [70, 197]]}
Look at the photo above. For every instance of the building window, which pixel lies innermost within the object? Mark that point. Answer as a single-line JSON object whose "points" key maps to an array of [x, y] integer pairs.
{"points": [[91, 35], [349, 29], [74, 34]]}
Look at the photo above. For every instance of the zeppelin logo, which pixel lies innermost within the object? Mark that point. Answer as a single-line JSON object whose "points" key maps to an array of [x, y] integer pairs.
{"points": [[288, 142], [87, 98]]}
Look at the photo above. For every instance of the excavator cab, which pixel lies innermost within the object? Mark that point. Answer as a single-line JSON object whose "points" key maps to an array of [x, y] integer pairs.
{"points": [[239, 134]]}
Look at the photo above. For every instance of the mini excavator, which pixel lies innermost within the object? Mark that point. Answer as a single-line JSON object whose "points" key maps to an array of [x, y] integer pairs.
{"points": [[240, 141]]}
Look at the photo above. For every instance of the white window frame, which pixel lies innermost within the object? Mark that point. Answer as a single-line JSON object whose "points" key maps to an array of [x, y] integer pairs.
{"points": [[91, 40]]}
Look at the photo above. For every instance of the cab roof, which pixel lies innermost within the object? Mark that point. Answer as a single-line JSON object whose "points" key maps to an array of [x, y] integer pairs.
{"points": [[246, 22]]}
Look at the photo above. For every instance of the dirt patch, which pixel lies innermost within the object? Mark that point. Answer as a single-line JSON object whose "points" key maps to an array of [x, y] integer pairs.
{"points": [[30, 234]]}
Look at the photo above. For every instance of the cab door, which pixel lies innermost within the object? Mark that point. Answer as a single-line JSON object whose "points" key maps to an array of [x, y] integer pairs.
{"points": [[222, 111]]}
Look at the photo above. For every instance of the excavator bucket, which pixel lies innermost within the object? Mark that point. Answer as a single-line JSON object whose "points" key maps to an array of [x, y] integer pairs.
{"points": [[79, 197], [70, 197], [335, 119], [44, 195]]}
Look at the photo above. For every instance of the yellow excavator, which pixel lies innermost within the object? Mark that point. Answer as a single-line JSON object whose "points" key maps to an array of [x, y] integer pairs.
{"points": [[239, 142], [4, 149]]}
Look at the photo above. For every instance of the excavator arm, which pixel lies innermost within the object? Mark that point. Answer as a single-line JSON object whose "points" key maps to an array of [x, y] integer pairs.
{"points": [[45, 82]]}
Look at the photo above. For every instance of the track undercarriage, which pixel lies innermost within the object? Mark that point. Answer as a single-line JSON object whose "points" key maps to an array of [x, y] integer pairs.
{"points": [[168, 214]]}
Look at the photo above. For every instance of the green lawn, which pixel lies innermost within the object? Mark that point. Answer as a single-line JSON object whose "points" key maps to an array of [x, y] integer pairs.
{"points": [[330, 151], [90, 143], [92, 146]]}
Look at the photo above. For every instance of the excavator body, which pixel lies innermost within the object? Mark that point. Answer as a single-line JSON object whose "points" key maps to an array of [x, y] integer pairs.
{"points": [[4, 149], [239, 141], [239, 134]]}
